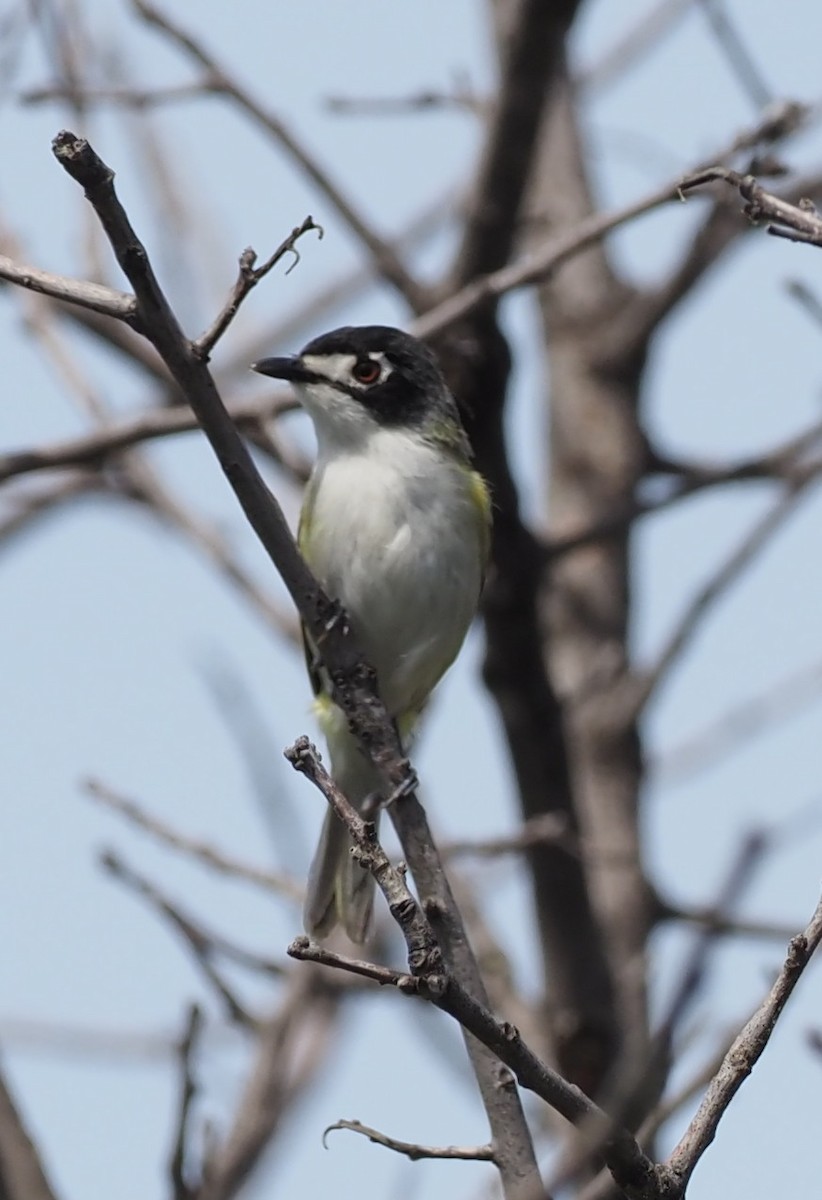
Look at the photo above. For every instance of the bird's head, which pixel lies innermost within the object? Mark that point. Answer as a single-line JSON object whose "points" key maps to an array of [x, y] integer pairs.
{"points": [[357, 380]]}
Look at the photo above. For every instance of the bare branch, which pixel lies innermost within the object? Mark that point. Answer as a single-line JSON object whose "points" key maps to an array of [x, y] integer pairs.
{"points": [[280, 884], [797, 222], [249, 276], [632, 1076], [541, 263], [293, 1044], [93, 296], [203, 946], [716, 586], [533, 47], [413, 1150], [304, 949], [94, 448], [219, 79], [722, 923], [633, 45], [743, 1055], [354, 682], [181, 1188], [461, 97], [36, 504], [601, 1187], [631, 1169], [738, 725], [22, 1174], [139, 99], [550, 827], [786, 463], [739, 59], [346, 288], [423, 953]]}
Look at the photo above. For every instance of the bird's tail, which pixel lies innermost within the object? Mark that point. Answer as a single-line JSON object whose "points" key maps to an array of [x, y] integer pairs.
{"points": [[340, 891]]}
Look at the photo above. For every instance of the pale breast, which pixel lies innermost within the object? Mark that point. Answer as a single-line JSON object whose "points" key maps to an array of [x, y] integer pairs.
{"points": [[396, 537]]}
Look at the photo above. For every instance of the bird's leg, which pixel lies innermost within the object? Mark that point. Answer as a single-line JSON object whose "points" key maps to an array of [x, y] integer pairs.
{"points": [[408, 786]]}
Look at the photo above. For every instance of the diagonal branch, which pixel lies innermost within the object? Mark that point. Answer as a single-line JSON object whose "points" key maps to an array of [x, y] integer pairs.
{"points": [[22, 1174], [353, 680], [293, 1044], [182, 1189], [715, 587], [203, 945], [204, 852], [248, 277], [541, 263], [93, 296], [743, 1055], [631, 1168], [94, 448], [737, 54], [718, 232], [219, 80], [532, 50], [725, 733]]}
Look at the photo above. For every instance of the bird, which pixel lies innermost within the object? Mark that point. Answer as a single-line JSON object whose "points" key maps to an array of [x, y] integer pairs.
{"points": [[396, 526]]}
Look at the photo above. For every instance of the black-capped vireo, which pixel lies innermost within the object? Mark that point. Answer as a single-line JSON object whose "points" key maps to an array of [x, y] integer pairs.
{"points": [[395, 524]]}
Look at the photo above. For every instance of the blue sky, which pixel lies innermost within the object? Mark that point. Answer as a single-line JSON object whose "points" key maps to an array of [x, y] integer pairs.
{"points": [[113, 626]]}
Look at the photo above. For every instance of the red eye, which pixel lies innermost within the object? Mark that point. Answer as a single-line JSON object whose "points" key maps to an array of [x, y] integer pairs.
{"points": [[366, 370]]}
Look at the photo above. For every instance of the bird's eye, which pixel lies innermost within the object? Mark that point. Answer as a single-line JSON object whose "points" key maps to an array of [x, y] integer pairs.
{"points": [[366, 370]]}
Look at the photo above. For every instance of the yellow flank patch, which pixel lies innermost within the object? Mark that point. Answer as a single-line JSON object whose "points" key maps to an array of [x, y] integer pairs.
{"points": [[333, 722], [481, 498]]}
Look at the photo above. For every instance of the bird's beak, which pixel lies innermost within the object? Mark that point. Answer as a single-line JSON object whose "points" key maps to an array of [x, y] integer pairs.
{"points": [[291, 368]]}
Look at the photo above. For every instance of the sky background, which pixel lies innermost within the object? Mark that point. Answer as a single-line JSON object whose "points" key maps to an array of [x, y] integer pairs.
{"points": [[114, 628]]}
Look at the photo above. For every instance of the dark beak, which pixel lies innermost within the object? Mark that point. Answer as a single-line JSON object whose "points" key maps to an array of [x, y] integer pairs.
{"points": [[290, 368]]}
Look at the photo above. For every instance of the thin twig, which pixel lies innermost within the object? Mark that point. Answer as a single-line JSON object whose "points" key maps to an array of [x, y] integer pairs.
{"points": [[738, 57], [722, 923], [247, 278], [220, 80], [345, 289], [743, 1055], [738, 725], [40, 503], [178, 1166], [414, 1150], [277, 882], [121, 97], [95, 447], [22, 1171], [202, 945], [547, 828], [293, 1044], [94, 296], [729, 571], [542, 262], [461, 97], [632, 1076], [631, 1168], [786, 462], [797, 222]]}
